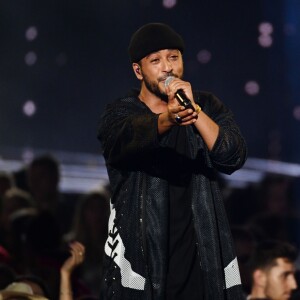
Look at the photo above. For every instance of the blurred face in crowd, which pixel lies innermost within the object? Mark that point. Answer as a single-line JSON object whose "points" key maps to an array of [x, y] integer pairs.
{"points": [[279, 280], [42, 181]]}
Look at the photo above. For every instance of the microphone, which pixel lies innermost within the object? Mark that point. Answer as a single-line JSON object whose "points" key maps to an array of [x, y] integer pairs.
{"points": [[180, 95]]}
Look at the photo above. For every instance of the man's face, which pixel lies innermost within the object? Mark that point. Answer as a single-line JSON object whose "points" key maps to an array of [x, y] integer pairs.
{"points": [[157, 66], [280, 280]]}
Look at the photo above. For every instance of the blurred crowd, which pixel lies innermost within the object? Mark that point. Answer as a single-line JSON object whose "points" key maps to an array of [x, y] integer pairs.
{"points": [[39, 226], [261, 215], [53, 243]]}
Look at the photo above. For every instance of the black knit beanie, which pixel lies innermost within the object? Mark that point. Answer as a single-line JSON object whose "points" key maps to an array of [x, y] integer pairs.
{"points": [[153, 37]]}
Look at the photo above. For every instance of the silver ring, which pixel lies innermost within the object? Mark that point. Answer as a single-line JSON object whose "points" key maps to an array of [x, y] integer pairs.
{"points": [[178, 119]]}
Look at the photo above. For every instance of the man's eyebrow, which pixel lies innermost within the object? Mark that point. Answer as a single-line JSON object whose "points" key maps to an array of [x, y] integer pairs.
{"points": [[147, 56], [155, 52], [286, 273]]}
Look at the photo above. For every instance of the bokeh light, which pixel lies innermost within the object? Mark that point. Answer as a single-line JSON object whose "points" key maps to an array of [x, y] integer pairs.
{"points": [[29, 108], [265, 28], [31, 33], [204, 56], [169, 3], [296, 113], [252, 88], [265, 41], [30, 58]]}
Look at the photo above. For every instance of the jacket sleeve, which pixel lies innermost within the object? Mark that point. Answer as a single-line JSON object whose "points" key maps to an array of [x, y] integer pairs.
{"points": [[230, 151], [125, 131]]}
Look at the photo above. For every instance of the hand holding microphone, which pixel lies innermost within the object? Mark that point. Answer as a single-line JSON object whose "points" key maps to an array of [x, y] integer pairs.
{"points": [[180, 95], [185, 102]]}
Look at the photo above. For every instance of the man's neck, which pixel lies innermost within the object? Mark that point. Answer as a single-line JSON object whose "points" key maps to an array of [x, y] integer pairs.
{"points": [[155, 103]]}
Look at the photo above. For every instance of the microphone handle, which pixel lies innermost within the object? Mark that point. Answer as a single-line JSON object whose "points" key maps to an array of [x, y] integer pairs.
{"points": [[183, 100]]}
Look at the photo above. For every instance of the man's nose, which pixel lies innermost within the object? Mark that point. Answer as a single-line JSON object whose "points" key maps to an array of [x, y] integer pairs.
{"points": [[167, 66], [293, 283]]}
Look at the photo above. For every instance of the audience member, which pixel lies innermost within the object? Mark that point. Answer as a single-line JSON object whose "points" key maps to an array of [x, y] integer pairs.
{"points": [[6, 182], [13, 200], [43, 250], [19, 291], [16, 234], [90, 228], [77, 251], [274, 196], [43, 181], [7, 275], [16, 204], [38, 286], [273, 271]]}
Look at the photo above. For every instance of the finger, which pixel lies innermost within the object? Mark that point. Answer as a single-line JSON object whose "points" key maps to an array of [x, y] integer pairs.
{"points": [[77, 246], [78, 257], [186, 113], [187, 117], [77, 251], [189, 122]]}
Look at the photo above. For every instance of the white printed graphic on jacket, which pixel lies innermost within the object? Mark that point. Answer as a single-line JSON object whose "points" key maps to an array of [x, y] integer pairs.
{"points": [[115, 249]]}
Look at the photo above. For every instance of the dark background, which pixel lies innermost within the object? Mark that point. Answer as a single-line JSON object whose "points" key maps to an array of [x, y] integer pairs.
{"points": [[82, 64]]}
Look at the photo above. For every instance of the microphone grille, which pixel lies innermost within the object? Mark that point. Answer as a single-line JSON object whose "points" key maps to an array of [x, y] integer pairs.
{"points": [[168, 80]]}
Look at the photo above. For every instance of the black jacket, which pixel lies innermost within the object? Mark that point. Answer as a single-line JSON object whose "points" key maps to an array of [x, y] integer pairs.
{"points": [[138, 162]]}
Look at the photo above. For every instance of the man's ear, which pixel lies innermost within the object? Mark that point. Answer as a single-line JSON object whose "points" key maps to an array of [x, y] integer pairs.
{"points": [[260, 278], [137, 71]]}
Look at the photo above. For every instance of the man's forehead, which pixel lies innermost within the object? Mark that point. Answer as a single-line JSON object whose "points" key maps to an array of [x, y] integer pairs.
{"points": [[283, 264], [283, 261]]}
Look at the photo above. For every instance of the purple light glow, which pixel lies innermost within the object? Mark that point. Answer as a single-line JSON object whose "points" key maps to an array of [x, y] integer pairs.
{"points": [[29, 108], [252, 88]]}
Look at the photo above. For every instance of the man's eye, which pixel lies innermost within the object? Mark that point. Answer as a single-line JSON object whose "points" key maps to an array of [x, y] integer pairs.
{"points": [[155, 60], [174, 57]]}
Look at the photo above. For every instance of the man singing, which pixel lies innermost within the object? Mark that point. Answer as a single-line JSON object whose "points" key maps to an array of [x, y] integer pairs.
{"points": [[168, 234]]}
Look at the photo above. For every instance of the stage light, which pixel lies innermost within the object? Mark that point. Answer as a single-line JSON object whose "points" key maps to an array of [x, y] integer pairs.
{"points": [[31, 33], [29, 108], [296, 113], [30, 58], [265, 41], [252, 88], [204, 56], [169, 3], [265, 28]]}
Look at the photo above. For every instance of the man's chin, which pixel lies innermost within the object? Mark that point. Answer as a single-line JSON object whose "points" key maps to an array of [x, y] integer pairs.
{"points": [[286, 296]]}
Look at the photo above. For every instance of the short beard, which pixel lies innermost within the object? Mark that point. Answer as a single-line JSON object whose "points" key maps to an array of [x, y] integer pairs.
{"points": [[154, 89]]}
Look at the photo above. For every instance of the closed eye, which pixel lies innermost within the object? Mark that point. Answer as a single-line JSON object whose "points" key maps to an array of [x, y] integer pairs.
{"points": [[174, 57], [155, 60]]}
